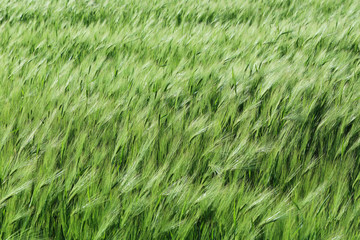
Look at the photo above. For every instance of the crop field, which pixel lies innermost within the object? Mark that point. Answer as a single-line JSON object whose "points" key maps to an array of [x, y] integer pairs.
{"points": [[180, 119]]}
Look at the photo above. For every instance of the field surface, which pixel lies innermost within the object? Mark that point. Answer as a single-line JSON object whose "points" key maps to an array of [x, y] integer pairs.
{"points": [[180, 119]]}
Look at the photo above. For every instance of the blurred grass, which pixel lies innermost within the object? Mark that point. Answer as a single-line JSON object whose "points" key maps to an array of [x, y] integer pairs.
{"points": [[179, 119]]}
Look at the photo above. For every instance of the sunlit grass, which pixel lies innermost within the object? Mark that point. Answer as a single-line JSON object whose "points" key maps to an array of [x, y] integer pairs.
{"points": [[179, 119]]}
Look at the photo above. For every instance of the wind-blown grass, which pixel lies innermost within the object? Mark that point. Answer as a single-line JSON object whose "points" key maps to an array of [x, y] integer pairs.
{"points": [[179, 119]]}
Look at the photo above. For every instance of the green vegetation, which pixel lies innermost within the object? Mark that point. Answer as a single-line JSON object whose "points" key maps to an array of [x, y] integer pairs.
{"points": [[180, 119]]}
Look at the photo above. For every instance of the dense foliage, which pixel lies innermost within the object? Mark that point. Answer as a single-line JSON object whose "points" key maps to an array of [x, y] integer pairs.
{"points": [[180, 119]]}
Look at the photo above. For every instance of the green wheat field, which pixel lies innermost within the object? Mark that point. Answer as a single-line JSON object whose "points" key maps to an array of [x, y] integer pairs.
{"points": [[181, 119]]}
